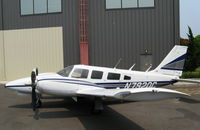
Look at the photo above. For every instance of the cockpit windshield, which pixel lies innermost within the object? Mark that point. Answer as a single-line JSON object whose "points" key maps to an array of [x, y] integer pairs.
{"points": [[66, 71]]}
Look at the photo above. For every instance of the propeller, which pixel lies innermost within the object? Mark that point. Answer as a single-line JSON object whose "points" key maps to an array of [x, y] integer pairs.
{"points": [[35, 99]]}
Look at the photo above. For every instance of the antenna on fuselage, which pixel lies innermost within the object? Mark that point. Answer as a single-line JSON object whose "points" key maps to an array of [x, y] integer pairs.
{"points": [[149, 68], [118, 63], [132, 67]]}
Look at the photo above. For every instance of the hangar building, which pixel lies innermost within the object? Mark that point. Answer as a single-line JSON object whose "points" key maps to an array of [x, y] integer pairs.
{"points": [[52, 34]]}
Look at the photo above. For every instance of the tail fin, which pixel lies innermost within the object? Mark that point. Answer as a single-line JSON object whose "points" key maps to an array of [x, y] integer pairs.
{"points": [[174, 62]]}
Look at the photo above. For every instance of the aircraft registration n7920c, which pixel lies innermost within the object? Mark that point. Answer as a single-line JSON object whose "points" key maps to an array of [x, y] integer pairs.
{"points": [[101, 83]]}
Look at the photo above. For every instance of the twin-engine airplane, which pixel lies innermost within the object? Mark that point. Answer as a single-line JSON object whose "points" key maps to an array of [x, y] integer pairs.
{"points": [[101, 83]]}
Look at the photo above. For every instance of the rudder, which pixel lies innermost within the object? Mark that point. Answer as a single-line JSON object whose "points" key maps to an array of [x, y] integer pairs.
{"points": [[173, 63]]}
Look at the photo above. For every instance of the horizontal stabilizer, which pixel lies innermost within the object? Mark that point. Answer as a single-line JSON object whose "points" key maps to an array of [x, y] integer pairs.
{"points": [[136, 94], [188, 80]]}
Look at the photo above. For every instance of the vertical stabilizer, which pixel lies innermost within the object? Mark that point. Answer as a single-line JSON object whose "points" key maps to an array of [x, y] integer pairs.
{"points": [[174, 62]]}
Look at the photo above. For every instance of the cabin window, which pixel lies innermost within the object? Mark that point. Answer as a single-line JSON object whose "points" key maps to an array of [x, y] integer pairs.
{"points": [[146, 3], [127, 77], [26, 7], [54, 6], [80, 73], [40, 6], [124, 4], [31, 7], [113, 76], [96, 74], [129, 3], [113, 4], [66, 71]]}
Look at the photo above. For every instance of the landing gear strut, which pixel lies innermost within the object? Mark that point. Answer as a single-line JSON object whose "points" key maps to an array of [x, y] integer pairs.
{"points": [[38, 102], [97, 106]]}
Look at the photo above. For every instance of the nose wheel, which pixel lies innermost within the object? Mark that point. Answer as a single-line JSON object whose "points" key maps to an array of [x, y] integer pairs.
{"points": [[39, 104]]}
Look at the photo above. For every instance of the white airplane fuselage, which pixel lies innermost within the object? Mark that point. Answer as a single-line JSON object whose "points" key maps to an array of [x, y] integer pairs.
{"points": [[59, 85]]}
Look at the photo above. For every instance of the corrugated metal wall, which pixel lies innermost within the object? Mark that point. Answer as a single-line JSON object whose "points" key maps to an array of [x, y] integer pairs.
{"points": [[127, 33], [71, 32], [13, 19], [177, 21]]}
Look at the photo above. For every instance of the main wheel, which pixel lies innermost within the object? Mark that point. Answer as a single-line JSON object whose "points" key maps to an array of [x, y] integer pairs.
{"points": [[39, 104], [96, 112], [97, 106]]}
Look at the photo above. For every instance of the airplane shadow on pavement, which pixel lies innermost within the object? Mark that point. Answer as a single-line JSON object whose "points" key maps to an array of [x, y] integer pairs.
{"points": [[187, 114], [108, 119], [189, 100]]}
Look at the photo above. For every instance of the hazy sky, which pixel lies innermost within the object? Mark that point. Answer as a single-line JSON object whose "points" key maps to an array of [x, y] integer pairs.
{"points": [[189, 16]]}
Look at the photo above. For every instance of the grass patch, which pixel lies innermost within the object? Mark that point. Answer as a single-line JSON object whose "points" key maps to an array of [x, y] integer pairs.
{"points": [[195, 74]]}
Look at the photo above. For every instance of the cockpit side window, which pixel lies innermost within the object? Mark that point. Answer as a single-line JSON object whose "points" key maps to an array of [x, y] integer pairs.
{"points": [[113, 76], [66, 71], [80, 73], [96, 74], [127, 77]]}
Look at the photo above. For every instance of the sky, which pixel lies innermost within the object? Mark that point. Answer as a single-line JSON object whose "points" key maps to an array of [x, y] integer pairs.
{"points": [[189, 16]]}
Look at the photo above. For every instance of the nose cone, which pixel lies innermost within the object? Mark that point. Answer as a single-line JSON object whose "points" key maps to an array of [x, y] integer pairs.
{"points": [[19, 82], [19, 85]]}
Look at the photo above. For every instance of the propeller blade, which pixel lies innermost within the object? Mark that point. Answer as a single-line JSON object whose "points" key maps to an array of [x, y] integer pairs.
{"points": [[33, 85], [36, 71], [33, 77], [34, 98]]}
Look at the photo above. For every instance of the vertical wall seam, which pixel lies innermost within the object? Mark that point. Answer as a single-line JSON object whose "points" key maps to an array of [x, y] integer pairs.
{"points": [[174, 22], [4, 60]]}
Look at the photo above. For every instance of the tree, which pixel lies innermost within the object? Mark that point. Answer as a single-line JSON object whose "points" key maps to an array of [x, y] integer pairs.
{"points": [[184, 42], [193, 54], [197, 41]]}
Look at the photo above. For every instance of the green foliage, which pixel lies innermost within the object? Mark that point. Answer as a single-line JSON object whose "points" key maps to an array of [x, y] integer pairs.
{"points": [[195, 74], [184, 42], [193, 54], [197, 39]]}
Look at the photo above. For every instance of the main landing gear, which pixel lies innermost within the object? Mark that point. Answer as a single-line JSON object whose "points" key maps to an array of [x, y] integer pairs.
{"points": [[97, 106]]}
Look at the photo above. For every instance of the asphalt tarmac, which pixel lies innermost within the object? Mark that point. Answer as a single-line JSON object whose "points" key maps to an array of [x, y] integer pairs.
{"points": [[59, 114]]}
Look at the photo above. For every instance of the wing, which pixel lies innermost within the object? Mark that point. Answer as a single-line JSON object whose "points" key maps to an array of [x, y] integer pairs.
{"points": [[136, 94], [188, 80]]}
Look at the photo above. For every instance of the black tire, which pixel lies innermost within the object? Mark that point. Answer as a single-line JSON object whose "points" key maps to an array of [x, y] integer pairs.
{"points": [[95, 111], [39, 104]]}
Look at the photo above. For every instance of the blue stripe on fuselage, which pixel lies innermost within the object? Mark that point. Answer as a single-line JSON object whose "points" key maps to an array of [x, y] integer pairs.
{"points": [[103, 85], [16, 86], [122, 83], [64, 79]]}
